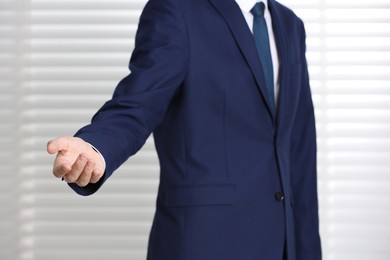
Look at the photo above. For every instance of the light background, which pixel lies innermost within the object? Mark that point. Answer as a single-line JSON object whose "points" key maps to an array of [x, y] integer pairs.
{"points": [[60, 60]]}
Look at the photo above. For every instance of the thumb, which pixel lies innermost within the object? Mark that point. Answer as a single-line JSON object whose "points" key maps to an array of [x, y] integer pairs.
{"points": [[56, 145]]}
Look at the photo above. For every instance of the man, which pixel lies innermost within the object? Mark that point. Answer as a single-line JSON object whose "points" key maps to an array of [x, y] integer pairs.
{"points": [[224, 88]]}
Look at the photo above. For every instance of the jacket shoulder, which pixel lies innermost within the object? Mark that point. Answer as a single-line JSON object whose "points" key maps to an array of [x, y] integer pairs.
{"points": [[288, 15]]}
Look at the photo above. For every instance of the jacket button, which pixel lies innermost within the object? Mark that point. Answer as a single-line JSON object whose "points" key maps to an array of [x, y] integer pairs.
{"points": [[279, 196]]}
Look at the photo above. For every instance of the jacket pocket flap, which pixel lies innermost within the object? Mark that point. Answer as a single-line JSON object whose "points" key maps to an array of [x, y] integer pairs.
{"points": [[200, 195]]}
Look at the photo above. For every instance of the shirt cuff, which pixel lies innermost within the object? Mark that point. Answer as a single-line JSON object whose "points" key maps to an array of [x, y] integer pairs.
{"points": [[101, 156]]}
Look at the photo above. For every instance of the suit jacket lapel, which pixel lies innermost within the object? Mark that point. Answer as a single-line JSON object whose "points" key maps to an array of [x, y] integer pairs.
{"points": [[232, 14], [279, 32]]}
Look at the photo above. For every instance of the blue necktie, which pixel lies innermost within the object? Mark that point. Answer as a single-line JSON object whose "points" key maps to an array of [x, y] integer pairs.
{"points": [[260, 33]]}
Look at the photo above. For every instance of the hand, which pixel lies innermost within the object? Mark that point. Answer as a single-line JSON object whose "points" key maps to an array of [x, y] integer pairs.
{"points": [[76, 161]]}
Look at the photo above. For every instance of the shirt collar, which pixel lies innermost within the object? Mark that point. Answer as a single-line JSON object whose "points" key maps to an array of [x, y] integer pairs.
{"points": [[247, 5]]}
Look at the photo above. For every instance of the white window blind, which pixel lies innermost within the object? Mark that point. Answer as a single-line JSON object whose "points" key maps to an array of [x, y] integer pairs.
{"points": [[9, 80], [349, 57], [75, 53], [60, 60]]}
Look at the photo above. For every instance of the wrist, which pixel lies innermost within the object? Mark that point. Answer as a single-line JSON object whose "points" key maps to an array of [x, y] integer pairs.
{"points": [[101, 156]]}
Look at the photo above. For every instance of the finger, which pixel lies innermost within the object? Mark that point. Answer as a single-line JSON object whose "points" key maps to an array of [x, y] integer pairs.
{"points": [[96, 176], [61, 170], [77, 168], [56, 145], [85, 176]]}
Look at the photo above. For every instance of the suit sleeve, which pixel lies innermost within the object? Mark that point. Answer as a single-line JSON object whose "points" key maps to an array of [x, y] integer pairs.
{"points": [[304, 170], [158, 67]]}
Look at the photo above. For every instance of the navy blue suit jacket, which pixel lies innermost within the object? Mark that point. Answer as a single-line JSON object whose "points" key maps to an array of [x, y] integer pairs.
{"points": [[196, 82]]}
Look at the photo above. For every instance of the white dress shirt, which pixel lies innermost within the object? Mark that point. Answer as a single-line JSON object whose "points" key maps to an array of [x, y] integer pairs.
{"points": [[246, 6]]}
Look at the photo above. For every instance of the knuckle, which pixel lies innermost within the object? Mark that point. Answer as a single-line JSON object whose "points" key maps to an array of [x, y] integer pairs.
{"points": [[90, 165], [79, 166]]}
